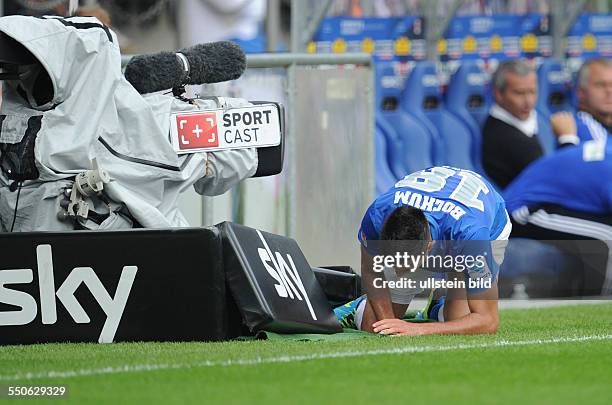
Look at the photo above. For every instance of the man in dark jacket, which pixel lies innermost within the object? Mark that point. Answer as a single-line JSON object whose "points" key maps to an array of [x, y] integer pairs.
{"points": [[510, 140]]}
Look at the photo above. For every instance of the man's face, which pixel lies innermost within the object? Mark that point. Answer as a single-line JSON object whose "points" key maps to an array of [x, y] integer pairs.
{"points": [[519, 96], [596, 95]]}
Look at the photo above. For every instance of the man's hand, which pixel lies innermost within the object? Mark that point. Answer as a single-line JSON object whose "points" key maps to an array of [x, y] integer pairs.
{"points": [[481, 317], [397, 327], [563, 123]]}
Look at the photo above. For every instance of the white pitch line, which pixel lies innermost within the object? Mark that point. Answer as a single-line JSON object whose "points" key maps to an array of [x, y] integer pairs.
{"points": [[290, 359]]}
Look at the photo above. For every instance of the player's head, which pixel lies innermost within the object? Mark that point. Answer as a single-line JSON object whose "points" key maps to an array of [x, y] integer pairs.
{"points": [[407, 231], [405, 223], [595, 87], [515, 87]]}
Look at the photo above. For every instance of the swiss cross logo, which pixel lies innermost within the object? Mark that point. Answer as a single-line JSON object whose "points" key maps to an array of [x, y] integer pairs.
{"points": [[197, 130]]}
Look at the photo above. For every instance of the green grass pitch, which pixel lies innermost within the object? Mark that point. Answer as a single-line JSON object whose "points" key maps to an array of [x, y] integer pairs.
{"points": [[540, 356]]}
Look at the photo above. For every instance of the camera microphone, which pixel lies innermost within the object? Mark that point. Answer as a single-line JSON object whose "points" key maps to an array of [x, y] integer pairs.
{"points": [[204, 63]]}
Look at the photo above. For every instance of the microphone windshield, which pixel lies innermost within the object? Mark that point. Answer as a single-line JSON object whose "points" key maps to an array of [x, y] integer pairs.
{"points": [[208, 63]]}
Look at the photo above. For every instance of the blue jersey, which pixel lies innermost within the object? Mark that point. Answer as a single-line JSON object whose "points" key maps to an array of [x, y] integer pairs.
{"points": [[575, 177], [590, 129], [458, 204]]}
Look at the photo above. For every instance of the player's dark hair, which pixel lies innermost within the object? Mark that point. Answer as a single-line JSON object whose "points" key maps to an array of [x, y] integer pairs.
{"points": [[405, 231], [405, 223]]}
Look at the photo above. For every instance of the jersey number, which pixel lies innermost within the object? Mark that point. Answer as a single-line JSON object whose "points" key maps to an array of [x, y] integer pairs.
{"points": [[431, 180]]}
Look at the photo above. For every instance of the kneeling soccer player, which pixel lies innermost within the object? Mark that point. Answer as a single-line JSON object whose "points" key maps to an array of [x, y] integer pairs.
{"points": [[448, 211]]}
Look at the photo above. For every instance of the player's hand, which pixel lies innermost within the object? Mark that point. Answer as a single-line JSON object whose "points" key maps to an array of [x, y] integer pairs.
{"points": [[563, 123], [398, 327]]}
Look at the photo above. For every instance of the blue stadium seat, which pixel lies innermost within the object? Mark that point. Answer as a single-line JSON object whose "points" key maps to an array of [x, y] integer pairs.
{"points": [[553, 96], [535, 265], [422, 99], [469, 99], [527, 256], [548, 140], [573, 91], [553, 88], [385, 178], [409, 145]]}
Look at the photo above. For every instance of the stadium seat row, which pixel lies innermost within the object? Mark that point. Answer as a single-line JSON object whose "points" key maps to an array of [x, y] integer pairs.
{"points": [[418, 126]]}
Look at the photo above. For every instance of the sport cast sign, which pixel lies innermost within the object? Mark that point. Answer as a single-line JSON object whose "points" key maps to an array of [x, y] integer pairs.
{"points": [[235, 128]]}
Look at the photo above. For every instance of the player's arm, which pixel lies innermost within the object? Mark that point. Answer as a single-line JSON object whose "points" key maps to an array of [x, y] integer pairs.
{"points": [[378, 304], [476, 315], [378, 298], [465, 311]]}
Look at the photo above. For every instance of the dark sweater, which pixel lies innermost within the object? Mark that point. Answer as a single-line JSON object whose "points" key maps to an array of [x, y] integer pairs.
{"points": [[506, 151]]}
